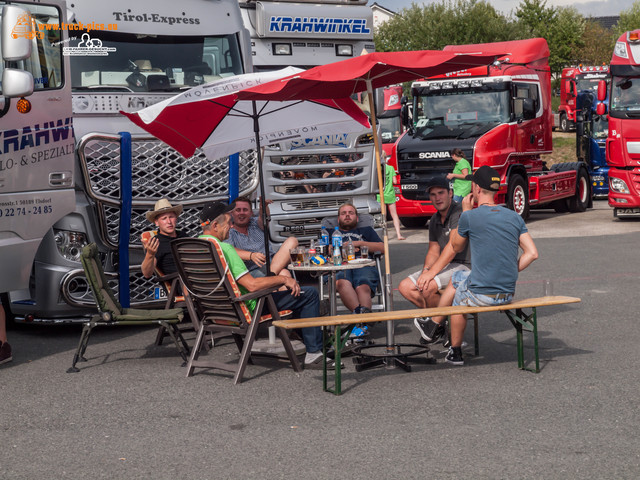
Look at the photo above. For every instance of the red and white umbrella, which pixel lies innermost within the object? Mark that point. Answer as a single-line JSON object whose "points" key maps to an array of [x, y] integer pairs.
{"points": [[212, 118]]}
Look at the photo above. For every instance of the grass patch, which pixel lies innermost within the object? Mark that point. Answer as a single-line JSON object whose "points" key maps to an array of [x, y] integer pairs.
{"points": [[564, 149]]}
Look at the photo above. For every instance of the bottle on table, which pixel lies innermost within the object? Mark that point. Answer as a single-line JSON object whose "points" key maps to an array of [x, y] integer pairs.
{"points": [[324, 236], [351, 251], [337, 256], [336, 239]]}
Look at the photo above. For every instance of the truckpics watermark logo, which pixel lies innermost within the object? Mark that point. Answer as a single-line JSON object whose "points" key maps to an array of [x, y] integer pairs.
{"points": [[88, 46], [27, 27], [154, 18]]}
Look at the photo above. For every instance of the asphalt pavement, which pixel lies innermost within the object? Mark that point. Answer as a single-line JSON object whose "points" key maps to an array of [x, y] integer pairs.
{"points": [[131, 412]]}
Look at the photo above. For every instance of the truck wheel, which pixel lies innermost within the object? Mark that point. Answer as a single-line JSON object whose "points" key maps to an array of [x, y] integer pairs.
{"points": [[414, 222], [564, 123], [518, 196], [580, 201]]}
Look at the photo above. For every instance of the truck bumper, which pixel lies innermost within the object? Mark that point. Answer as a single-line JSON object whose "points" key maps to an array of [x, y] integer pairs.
{"points": [[624, 192], [414, 208]]}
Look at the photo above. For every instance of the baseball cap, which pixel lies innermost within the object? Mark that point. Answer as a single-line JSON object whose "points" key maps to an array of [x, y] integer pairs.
{"points": [[486, 177], [213, 210], [439, 181]]}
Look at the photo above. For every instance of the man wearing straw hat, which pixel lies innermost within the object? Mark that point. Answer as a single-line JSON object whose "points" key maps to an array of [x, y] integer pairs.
{"points": [[158, 248]]}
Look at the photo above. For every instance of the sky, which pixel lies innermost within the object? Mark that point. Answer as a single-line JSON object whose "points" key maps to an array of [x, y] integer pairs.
{"points": [[593, 8]]}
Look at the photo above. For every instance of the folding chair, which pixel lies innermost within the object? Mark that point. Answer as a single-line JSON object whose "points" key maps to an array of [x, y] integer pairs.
{"points": [[379, 302], [170, 283], [111, 312], [220, 305]]}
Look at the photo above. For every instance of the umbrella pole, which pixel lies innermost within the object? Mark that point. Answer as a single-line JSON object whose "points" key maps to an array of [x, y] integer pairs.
{"points": [[265, 218], [388, 287]]}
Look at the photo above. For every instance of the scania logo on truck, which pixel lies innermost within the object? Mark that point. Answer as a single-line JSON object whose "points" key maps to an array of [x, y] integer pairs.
{"points": [[318, 25], [425, 155]]}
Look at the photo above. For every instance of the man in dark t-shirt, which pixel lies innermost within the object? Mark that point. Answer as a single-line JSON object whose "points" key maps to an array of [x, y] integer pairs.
{"points": [[158, 248]]}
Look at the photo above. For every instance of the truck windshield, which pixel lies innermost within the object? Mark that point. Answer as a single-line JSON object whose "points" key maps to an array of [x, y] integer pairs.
{"points": [[588, 83], [143, 63], [389, 128], [600, 126], [441, 112], [625, 97]]}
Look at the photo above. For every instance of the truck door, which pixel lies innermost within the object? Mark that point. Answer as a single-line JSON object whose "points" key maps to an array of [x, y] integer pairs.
{"points": [[36, 135]]}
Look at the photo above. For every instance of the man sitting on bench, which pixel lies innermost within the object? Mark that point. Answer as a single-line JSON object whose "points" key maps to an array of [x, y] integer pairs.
{"points": [[417, 288], [356, 287], [494, 234]]}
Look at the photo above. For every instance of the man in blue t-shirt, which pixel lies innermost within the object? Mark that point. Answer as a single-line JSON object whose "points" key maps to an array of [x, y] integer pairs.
{"points": [[356, 287], [495, 234]]}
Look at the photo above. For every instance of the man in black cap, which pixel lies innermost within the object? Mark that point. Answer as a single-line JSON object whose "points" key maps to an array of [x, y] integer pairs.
{"points": [[303, 301], [495, 236], [422, 287]]}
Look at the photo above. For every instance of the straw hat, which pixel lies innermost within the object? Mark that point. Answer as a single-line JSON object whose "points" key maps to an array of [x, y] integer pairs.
{"points": [[162, 206]]}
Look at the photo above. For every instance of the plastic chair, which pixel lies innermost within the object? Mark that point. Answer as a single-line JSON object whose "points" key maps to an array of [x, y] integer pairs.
{"points": [[111, 313], [221, 307]]}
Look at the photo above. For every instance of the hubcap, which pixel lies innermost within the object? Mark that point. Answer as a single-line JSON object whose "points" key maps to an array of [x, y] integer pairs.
{"points": [[518, 200]]}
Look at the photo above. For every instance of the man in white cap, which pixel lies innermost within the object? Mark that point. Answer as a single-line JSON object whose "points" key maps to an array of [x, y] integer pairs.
{"points": [[158, 248]]}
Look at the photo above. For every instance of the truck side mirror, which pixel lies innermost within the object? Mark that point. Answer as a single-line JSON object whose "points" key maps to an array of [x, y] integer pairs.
{"points": [[579, 124], [601, 109], [404, 116], [567, 87], [16, 83], [16, 44], [602, 90]]}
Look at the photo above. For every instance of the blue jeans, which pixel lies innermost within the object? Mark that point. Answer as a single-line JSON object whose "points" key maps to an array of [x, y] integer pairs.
{"points": [[305, 305], [464, 296], [458, 198]]}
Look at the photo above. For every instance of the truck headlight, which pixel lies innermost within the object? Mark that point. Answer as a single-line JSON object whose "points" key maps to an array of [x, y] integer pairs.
{"points": [[618, 185], [70, 244]]}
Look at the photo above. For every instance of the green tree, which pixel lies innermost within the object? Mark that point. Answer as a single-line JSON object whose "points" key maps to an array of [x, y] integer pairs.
{"points": [[561, 27], [448, 22], [598, 43], [629, 20]]}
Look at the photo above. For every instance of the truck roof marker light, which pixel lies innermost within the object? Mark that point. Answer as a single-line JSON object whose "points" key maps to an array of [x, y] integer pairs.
{"points": [[620, 50], [23, 105], [634, 36]]}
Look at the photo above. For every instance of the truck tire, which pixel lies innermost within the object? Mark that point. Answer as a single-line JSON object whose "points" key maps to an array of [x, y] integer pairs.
{"points": [[564, 123], [580, 201], [560, 206], [414, 222], [518, 196]]}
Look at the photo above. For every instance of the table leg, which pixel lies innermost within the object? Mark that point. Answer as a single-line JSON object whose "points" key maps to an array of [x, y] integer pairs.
{"points": [[333, 294]]}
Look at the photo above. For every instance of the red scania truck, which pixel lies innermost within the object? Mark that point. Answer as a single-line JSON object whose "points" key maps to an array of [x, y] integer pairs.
{"points": [[499, 116], [573, 80], [623, 140]]}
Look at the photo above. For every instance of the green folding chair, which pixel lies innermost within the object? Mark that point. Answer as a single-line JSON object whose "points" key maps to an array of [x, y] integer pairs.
{"points": [[112, 314]]}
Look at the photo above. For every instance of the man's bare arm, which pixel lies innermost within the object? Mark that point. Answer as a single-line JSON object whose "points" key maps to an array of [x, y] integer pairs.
{"points": [[529, 251]]}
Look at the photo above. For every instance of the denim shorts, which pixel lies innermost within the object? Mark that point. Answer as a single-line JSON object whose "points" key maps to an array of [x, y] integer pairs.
{"points": [[361, 276], [443, 278], [464, 296]]}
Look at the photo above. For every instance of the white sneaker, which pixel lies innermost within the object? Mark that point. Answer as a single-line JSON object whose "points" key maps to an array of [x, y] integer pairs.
{"points": [[313, 359]]}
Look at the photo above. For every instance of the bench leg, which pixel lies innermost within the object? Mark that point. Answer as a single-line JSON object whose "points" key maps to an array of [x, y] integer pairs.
{"points": [[523, 322], [338, 341]]}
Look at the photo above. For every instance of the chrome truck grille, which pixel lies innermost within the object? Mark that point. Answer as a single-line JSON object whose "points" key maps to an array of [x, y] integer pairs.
{"points": [[157, 171], [309, 186]]}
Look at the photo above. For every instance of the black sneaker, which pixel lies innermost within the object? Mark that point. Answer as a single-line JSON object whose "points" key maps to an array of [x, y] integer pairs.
{"points": [[5, 353], [455, 356], [429, 330]]}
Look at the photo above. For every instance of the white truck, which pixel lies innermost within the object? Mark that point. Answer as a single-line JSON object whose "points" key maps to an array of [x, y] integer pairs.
{"points": [[308, 180], [36, 137], [125, 56]]}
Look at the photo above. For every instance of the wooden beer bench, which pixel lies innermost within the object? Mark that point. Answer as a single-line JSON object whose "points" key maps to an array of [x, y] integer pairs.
{"points": [[521, 313]]}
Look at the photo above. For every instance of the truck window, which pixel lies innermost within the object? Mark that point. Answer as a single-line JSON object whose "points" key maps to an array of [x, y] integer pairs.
{"points": [[625, 96], [155, 62], [45, 63]]}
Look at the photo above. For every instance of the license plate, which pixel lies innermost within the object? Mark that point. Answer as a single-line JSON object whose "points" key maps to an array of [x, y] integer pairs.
{"points": [[628, 211], [159, 294], [294, 228]]}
